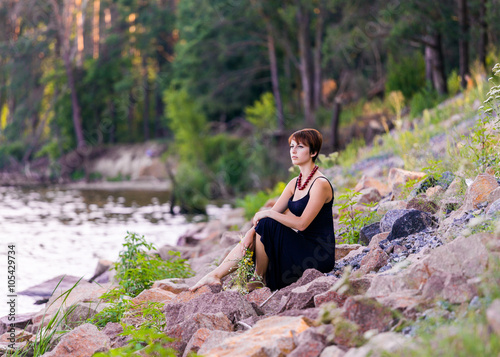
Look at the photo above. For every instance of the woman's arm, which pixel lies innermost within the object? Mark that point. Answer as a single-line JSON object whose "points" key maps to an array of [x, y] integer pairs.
{"points": [[281, 204], [320, 194]]}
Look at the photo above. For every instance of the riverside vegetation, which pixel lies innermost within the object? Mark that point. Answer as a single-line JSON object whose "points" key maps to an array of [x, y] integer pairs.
{"points": [[424, 282]]}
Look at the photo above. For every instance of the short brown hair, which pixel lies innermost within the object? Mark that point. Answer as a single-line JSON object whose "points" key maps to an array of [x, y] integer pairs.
{"points": [[309, 137]]}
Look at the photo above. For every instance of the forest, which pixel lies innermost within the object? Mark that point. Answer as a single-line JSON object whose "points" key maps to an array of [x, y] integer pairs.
{"points": [[224, 82]]}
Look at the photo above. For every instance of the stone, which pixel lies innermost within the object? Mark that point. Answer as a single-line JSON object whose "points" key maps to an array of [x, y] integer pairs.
{"points": [[408, 302], [390, 217], [169, 285], [184, 331], [373, 261], [434, 191], [369, 314], [154, 295], [411, 222], [114, 331], [368, 195], [103, 266], [310, 343], [330, 296], [380, 345], [493, 196], [370, 182], [310, 314], [422, 203], [359, 285], [45, 289], [81, 311], [302, 297], [398, 178], [83, 341], [187, 295], [374, 242], [450, 287], [480, 189], [256, 342], [230, 303], [494, 209], [332, 351], [258, 296], [22, 320], [214, 339], [367, 232], [342, 250], [387, 206], [156, 170], [493, 316]]}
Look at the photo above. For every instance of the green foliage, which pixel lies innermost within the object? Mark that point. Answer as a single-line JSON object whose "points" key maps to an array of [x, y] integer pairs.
{"points": [[329, 161], [352, 219], [9, 152], [192, 188], [453, 83], [244, 273], [145, 341], [118, 178], [136, 270], [406, 75], [252, 203], [262, 113], [349, 155], [424, 99]]}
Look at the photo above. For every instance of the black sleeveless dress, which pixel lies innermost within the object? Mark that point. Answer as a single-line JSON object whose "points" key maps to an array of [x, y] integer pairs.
{"points": [[290, 252]]}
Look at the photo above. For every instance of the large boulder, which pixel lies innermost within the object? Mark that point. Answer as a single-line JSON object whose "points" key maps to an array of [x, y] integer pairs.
{"points": [[411, 222], [83, 341], [257, 342], [398, 178], [370, 182], [367, 232], [302, 297], [423, 203], [390, 217], [369, 314], [205, 339]]}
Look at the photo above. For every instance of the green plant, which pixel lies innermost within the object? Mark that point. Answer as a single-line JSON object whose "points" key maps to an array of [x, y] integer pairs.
{"points": [[252, 203], [262, 113], [118, 178], [112, 313], [453, 83], [349, 155], [426, 98], [244, 273], [136, 270], [406, 75], [329, 161], [351, 218]]}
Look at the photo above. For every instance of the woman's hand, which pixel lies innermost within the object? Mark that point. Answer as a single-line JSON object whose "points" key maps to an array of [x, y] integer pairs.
{"points": [[259, 215]]}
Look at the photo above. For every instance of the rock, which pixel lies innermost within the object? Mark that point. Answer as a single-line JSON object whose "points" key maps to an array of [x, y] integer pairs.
{"points": [[310, 343], [387, 206], [44, 290], [450, 287], [368, 195], [103, 266], [183, 331], [82, 311], [156, 170], [369, 314], [256, 342], [214, 339], [230, 303], [366, 233], [311, 313], [374, 242], [479, 190], [408, 302], [411, 222], [422, 203], [154, 295], [83, 341], [360, 285], [390, 217], [370, 182], [302, 297], [374, 260], [21, 321], [492, 197], [258, 296], [332, 351], [380, 345], [434, 191], [494, 209], [342, 250], [170, 285], [493, 316], [398, 178], [113, 330], [330, 296]]}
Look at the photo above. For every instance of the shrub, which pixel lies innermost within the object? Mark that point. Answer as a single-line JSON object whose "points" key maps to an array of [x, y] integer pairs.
{"points": [[252, 203], [426, 98], [262, 113], [407, 75]]}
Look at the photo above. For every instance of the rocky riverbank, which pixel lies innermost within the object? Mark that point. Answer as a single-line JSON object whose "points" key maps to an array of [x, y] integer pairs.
{"points": [[430, 248]]}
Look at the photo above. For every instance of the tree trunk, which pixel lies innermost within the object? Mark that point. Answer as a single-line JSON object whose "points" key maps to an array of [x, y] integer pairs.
{"points": [[77, 118], [95, 28], [274, 78], [146, 101], [318, 74], [463, 42], [305, 65], [434, 63], [337, 109], [483, 33]]}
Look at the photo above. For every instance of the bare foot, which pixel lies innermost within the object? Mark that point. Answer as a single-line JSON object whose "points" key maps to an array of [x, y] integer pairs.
{"points": [[206, 280]]}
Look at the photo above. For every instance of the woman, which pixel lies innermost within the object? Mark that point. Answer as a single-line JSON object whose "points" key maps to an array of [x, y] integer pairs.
{"points": [[297, 232]]}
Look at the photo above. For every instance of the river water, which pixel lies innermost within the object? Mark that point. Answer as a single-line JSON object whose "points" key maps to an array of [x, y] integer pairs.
{"points": [[61, 231]]}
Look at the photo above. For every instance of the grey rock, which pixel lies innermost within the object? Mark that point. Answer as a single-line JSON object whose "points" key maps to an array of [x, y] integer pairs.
{"points": [[411, 222], [390, 217], [366, 233], [494, 209]]}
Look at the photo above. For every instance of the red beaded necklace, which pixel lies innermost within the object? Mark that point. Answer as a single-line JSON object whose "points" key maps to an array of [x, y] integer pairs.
{"points": [[301, 187]]}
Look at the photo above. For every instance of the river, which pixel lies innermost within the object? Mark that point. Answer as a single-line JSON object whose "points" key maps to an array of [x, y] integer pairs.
{"points": [[66, 231]]}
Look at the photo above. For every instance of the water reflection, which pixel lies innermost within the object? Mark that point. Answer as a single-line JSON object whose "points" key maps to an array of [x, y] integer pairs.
{"points": [[60, 231]]}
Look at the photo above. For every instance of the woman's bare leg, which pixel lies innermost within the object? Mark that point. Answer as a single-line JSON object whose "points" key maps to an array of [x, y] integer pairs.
{"points": [[261, 258], [229, 263]]}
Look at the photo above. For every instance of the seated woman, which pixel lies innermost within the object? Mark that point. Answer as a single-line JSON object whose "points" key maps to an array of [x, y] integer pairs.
{"points": [[297, 232]]}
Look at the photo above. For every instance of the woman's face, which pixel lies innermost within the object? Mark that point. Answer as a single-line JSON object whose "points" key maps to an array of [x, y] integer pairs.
{"points": [[300, 153]]}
